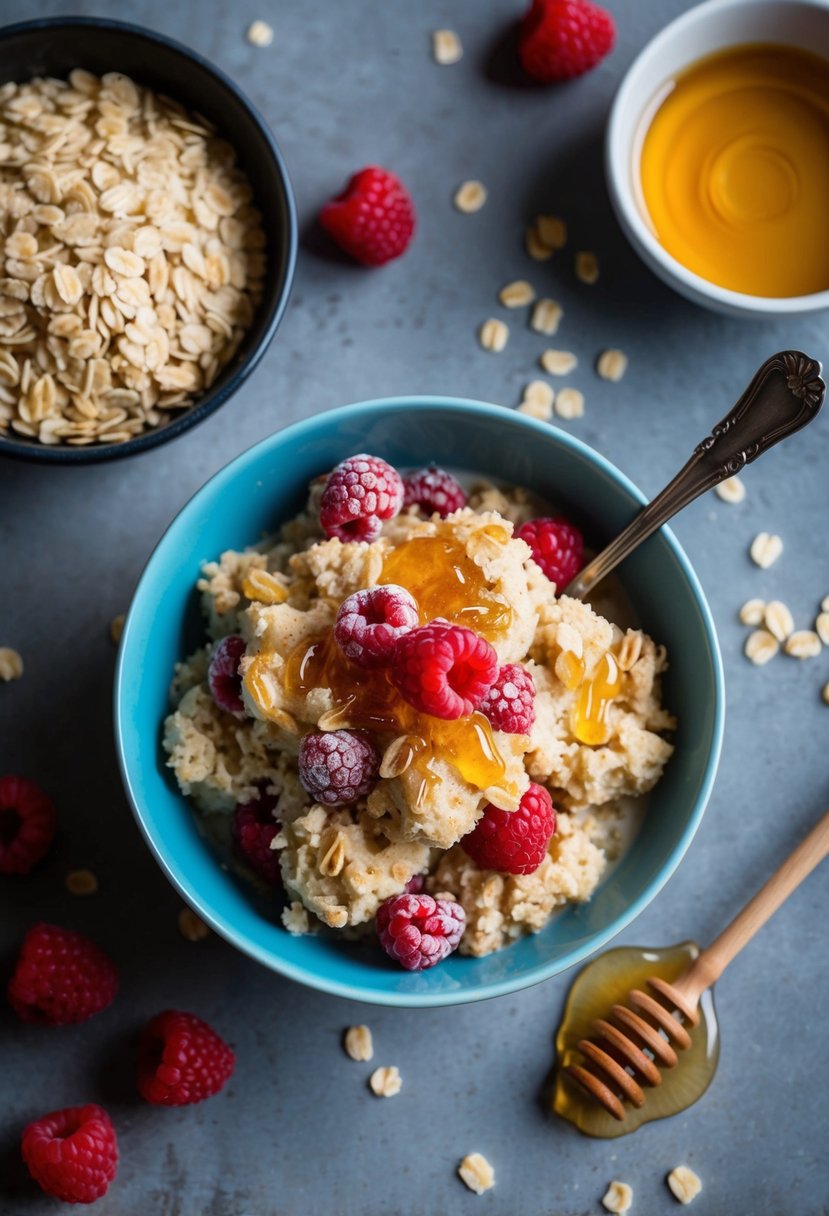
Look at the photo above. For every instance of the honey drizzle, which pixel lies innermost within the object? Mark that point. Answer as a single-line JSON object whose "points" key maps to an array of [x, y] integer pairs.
{"points": [[588, 718]]}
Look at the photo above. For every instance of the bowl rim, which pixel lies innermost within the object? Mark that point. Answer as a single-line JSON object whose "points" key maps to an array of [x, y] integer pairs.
{"points": [[210, 401], [305, 975], [617, 156]]}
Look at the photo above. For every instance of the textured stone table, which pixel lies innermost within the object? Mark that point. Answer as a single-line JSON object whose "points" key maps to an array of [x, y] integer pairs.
{"points": [[297, 1130]]}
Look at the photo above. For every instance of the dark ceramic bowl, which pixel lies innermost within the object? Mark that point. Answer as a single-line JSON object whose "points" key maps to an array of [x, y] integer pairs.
{"points": [[53, 47]]}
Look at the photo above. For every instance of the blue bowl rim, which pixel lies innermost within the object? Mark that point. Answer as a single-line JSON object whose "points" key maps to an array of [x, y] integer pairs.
{"points": [[537, 975], [211, 400]]}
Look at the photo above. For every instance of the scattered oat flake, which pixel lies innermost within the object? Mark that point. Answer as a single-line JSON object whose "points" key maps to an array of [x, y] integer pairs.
{"points": [[116, 627], [558, 362], [569, 403], [494, 335], [81, 882], [825, 693], [546, 317], [446, 47], [803, 644], [534, 245], [587, 267], [517, 294], [11, 664], [260, 33], [753, 612], [385, 1082], [822, 627], [543, 410], [779, 620], [618, 1198], [612, 364], [765, 549], [552, 231], [539, 391], [684, 1184], [470, 196], [358, 1043], [192, 927], [730, 490], [760, 647], [476, 1173]]}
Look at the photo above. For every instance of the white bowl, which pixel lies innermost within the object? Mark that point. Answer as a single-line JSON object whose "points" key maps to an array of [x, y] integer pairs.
{"points": [[701, 31]]}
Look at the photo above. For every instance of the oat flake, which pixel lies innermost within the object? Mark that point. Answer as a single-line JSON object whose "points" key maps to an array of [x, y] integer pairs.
{"points": [[470, 197], [385, 1082], [753, 612], [259, 33], [11, 664], [587, 267], [760, 647], [517, 294], [493, 335], [730, 490], [558, 362], [546, 317], [684, 1184], [765, 549], [569, 403], [477, 1173], [192, 927], [803, 644], [779, 620], [358, 1043], [618, 1197], [612, 364], [446, 47], [81, 882]]}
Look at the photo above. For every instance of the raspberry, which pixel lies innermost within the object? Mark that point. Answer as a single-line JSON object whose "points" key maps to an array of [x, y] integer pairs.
{"points": [[60, 977], [223, 675], [373, 219], [557, 548], [252, 830], [369, 623], [27, 824], [559, 39], [514, 842], [510, 702], [443, 670], [418, 931], [72, 1154], [361, 492], [433, 490], [415, 885], [337, 766], [181, 1060]]}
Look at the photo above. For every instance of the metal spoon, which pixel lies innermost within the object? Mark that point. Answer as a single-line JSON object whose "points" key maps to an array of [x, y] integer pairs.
{"points": [[786, 392]]}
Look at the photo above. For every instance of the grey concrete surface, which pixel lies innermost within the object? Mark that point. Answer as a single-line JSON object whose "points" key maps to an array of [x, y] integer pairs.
{"points": [[297, 1130]]}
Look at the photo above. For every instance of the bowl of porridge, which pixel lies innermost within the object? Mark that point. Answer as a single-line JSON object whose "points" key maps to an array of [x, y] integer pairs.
{"points": [[147, 239], [370, 741]]}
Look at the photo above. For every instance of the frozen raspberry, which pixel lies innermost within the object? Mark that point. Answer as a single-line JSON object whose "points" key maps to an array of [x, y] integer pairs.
{"points": [[72, 1154], [442, 669], [369, 623], [373, 219], [27, 824], [223, 675], [337, 766], [181, 1060], [60, 977], [510, 702], [514, 842], [433, 490], [415, 885], [252, 830], [559, 39], [418, 931], [557, 547], [361, 492]]}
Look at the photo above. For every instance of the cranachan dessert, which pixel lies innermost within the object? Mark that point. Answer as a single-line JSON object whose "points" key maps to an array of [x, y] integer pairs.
{"points": [[402, 727]]}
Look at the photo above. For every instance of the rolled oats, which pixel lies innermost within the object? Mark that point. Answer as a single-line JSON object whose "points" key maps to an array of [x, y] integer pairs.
{"points": [[778, 620], [612, 364], [295, 919], [11, 664], [552, 231], [824, 692], [116, 627], [765, 549], [684, 1184], [803, 644], [822, 627], [731, 490], [534, 245], [558, 362], [587, 267], [569, 403], [470, 196], [81, 882], [476, 1173], [546, 317], [517, 294], [260, 33], [760, 647], [618, 1197], [385, 1082], [446, 47], [540, 392], [358, 1043], [543, 410], [753, 612], [494, 335], [192, 927]]}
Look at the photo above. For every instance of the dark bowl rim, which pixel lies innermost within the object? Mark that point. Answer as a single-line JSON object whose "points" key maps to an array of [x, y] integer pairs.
{"points": [[43, 454]]}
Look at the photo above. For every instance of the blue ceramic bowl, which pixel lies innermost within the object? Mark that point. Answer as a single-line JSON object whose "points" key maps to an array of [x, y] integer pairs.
{"points": [[264, 486]]}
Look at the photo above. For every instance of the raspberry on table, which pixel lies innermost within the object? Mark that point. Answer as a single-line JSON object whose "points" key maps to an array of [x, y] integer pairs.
{"points": [[181, 1060], [337, 766], [27, 824], [72, 1154], [359, 495], [560, 39], [434, 491], [443, 670], [514, 842], [223, 676], [60, 977], [418, 931], [369, 623], [252, 829], [373, 219], [510, 701], [557, 547]]}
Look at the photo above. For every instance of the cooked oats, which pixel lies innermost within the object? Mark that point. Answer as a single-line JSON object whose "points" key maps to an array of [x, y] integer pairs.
{"points": [[822, 627], [552, 231], [534, 245], [803, 644], [684, 1184], [731, 490], [260, 33], [612, 364], [546, 317], [753, 612], [493, 335], [760, 647], [778, 620], [470, 196], [11, 664], [765, 549], [517, 294], [587, 267], [618, 1197], [558, 362], [358, 1043], [295, 919], [191, 926], [116, 627], [569, 403], [476, 1172], [446, 47], [81, 882], [538, 391], [385, 1082]]}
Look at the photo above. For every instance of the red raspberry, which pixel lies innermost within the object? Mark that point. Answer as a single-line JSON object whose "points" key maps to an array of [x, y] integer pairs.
{"points": [[369, 623], [337, 766], [559, 39], [60, 977], [434, 490], [510, 702], [373, 219], [557, 548], [223, 677], [514, 842], [27, 824], [418, 931], [252, 830], [443, 670], [361, 492], [181, 1060], [415, 885], [72, 1154]]}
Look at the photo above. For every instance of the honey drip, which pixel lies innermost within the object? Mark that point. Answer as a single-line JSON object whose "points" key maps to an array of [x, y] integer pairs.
{"points": [[588, 717], [605, 982]]}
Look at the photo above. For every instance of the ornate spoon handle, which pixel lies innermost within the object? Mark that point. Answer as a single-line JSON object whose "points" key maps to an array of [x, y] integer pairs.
{"points": [[786, 392]]}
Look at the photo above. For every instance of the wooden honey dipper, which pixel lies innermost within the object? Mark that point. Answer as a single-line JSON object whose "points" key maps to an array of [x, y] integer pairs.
{"points": [[641, 1037]]}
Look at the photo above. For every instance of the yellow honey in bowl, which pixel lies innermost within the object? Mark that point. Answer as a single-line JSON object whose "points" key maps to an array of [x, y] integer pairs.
{"points": [[734, 170]]}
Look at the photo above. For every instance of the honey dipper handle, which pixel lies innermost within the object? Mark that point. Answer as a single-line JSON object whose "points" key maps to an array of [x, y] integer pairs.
{"points": [[711, 963]]}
